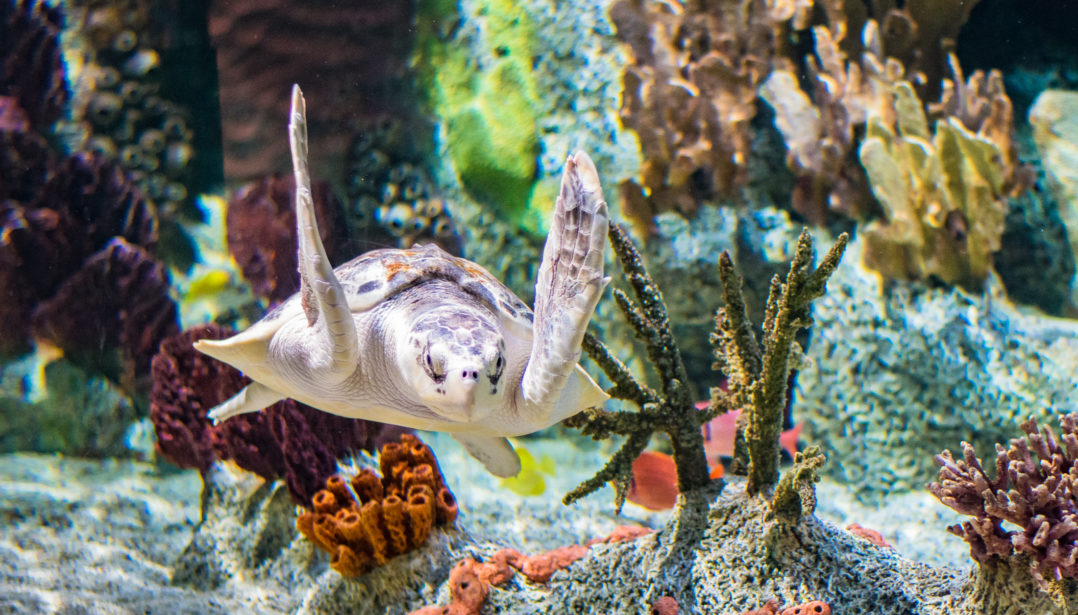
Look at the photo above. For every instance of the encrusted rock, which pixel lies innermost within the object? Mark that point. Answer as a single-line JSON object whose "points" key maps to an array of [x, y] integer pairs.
{"points": [[901, 372]]}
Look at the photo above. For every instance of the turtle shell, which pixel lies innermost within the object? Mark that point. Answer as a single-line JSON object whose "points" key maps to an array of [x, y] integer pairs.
{"points": [[378, 275]]}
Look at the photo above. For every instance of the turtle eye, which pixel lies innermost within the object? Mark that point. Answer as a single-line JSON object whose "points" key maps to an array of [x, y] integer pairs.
{"points": [[434, 369]]}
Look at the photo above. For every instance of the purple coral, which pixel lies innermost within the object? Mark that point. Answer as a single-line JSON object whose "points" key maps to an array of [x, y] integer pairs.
{"points": [[288, 439], [31, 67], [55, 216], [261, 223], [118, 300], [1035, 490]]}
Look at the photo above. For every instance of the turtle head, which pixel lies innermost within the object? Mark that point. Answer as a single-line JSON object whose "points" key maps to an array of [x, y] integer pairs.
{"points": [[457, 363]]}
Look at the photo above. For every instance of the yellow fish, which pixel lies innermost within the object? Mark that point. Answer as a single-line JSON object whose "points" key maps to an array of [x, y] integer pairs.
{"points": [[530, 481]]}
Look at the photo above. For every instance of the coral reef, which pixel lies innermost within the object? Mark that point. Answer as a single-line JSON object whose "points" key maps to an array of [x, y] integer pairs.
{"points": [[380, 517], [31, 67], [288, 439], [261, 231], [1032, 492]]}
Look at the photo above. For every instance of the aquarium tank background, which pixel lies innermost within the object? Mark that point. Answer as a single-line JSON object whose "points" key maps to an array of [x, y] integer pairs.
{"points": [[819, 254]]}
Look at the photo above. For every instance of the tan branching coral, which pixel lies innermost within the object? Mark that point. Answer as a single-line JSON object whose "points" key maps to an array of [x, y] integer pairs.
{"points": [[690, 94], [943, 190], [369, 519], [820, 131], [937, 181]]}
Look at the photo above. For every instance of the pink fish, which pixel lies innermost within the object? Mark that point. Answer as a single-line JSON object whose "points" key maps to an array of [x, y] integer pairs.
{"points": [[719, 435]]}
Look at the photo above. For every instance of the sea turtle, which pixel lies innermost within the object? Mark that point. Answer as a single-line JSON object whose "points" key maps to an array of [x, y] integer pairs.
{"points": [[426, 340]]}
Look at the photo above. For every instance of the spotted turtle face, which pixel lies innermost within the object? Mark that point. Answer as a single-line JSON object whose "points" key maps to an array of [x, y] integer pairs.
{"points": [[456, 360]]}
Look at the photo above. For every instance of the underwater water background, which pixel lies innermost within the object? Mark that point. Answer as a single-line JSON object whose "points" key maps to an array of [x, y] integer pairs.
{"points": [[776, 434]]}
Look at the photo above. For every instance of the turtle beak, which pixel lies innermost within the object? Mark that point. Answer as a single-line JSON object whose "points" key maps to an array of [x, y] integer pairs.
{"points": [[462, 393], [457, 401]]}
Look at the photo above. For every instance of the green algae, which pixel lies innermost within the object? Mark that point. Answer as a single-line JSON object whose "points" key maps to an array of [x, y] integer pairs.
{"points": [[480, 83]]}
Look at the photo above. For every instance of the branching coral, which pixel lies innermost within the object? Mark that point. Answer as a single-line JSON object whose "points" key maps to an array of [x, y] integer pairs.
{"points": [[757, 377], [670, 410], [364, 522], [1033, 492]]}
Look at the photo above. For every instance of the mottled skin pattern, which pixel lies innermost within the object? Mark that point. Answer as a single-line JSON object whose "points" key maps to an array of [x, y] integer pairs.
{"points": [[423, 339]]}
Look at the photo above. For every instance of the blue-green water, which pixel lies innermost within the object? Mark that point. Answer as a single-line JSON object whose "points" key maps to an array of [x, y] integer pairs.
{"points": [[148, 201]]}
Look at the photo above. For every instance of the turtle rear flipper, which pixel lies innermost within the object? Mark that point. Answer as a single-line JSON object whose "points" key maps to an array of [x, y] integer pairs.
{"points": [[568, 287], [251, 398], [323, 299], [496, 454]]}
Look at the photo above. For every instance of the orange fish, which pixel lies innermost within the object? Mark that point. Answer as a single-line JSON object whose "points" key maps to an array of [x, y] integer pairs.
{"points": [[654, 484], [719, 435]]}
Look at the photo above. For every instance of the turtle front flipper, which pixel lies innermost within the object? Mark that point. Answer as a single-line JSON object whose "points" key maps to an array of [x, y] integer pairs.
{"points": [[567, 288], [496, 454], [251, 398], [322, 296]]}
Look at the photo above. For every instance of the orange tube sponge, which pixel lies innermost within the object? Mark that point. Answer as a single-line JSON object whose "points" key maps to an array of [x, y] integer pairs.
{"points": [[420, 510], [324, 502], [445, 506], [394, 521], [368, 486], [339, 488], [349, 563], [364, 521], [351, 529]]}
